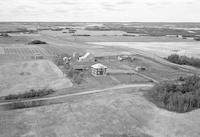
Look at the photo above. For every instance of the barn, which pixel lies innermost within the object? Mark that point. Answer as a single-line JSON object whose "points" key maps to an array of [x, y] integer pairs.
{"points": [[98, 69]]}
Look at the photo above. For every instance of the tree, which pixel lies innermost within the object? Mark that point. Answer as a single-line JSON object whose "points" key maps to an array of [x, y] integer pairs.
{"points": [[178, 97]]}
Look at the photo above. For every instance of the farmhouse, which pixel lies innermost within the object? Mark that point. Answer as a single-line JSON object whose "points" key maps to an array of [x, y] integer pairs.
{"points": [[98, 69]]}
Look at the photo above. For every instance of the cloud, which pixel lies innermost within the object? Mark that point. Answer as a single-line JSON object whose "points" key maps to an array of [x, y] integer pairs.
{"points": [[190, 2], [150, 3], [125, 2], [23, 9], [63, 2], [108, 6], [100, 10], [158, 4], [61, 11]]}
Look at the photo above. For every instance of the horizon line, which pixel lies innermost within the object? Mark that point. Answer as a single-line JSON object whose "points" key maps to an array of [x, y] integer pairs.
{"points": [[99, 22]]}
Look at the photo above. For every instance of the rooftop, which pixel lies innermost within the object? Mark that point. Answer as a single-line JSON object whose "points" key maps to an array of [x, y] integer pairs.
{"points": [[98, 65]]}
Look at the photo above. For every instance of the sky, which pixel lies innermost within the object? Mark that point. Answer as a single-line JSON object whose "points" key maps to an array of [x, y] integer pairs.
{"points": [[100, 10]]}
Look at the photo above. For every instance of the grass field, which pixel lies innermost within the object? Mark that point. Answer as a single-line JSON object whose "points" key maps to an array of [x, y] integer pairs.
{"points": [[128, 79], [23, 76], [109, 114]]}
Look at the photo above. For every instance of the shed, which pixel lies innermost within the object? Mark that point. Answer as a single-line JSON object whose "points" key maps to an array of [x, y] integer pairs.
{"points": [[80, 67], [98, 69], [140, 68], [126, 57], [38, 56]]}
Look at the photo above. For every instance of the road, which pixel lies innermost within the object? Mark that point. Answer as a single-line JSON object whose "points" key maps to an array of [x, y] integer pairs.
{"points": [[147, 85]]}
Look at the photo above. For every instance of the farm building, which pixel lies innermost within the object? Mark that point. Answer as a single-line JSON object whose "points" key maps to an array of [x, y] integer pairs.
{"points": [[98, 69], [38, 56], [82, 66], [140, 68], [126, 57], [86, 58], [67, 60]]}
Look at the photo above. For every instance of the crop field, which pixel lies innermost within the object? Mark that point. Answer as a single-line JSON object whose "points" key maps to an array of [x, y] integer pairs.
{"points": [[2, 51], [9, 54], [25, 51], [23, 76], [53, 50]]}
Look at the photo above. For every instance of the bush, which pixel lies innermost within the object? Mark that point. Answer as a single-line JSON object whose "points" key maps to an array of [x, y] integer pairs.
{"points": [[86, 35], [197, 38], [4, 35], [31, 94], [184, 60], [37, 42], [58, 60], [179, 96], [20, 105], [78, 78]]}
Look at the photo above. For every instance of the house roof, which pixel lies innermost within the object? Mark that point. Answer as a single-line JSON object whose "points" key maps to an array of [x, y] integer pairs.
{"points": [[98, 65]]}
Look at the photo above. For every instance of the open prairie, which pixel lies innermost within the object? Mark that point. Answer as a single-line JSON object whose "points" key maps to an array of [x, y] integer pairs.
{"points": [[114, 113], [23, 76], [84, 104]]}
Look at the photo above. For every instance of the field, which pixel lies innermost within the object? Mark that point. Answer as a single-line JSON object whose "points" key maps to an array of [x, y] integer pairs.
{"points": [[130, 78], [154, 69], [15, 39], [23, 53], [110, 112], [23, 76], [162, 49], [117, 113], [108, 36]]}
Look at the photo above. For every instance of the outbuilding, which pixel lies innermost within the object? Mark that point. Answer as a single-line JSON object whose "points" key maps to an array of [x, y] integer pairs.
{"points": [[140, 68], [38, 56], [98, 69]]}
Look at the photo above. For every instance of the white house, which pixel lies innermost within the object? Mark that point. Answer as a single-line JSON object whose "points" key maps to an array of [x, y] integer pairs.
{"points": [[98, 69]]}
